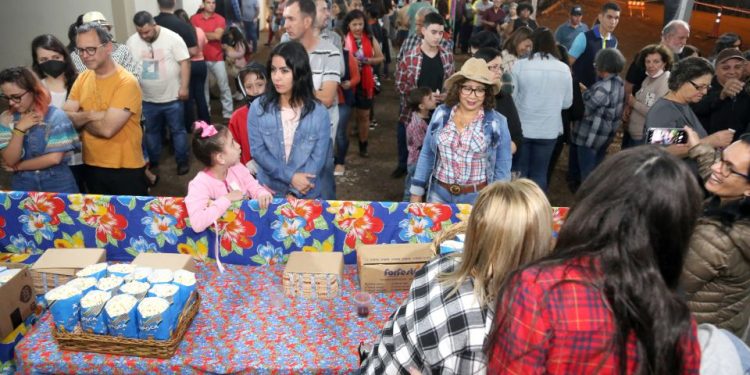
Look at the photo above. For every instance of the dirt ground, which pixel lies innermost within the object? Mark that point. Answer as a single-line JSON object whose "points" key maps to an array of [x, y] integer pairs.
{"points": [[369, 179]]}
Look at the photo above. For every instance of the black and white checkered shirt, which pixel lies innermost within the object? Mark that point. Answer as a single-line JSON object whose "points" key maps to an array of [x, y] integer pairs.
{"points": [[433, 332]]}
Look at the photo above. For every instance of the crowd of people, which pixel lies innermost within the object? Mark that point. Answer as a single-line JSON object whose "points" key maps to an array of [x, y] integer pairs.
{"points": [[650, 272]]}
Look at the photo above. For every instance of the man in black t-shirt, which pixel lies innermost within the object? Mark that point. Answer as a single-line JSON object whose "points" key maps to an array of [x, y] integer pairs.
{"points": [[166, 18]]}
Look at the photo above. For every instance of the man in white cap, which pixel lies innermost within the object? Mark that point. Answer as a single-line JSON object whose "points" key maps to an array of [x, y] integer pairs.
{"points": [[120, 52]]}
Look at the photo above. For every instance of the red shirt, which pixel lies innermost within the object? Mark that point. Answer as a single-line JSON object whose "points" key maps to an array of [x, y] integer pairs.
{"points": [[238, 127], [496, 17], [212, 50], [561, 324]]}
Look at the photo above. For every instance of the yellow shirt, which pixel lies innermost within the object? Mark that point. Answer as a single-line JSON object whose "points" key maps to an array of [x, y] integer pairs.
{"points": [[120, 90]]}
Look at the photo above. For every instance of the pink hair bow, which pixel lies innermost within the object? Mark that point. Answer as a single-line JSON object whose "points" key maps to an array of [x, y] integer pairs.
{"points": [[208, 129]]}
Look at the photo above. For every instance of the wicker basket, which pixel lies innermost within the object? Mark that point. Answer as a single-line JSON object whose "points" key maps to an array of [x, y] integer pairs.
{"points": [[85, 342], [447, 234]]}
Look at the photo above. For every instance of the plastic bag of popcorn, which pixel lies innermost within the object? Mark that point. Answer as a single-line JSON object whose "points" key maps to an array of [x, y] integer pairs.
{"points": [[109, 284], [65, 304], [160, 276], [185, 280], [120, 269], [96, 271], [121, 316], [92, 318], [136, 289], [84, 284], [154, 321], [140, 274], [170, 293]]}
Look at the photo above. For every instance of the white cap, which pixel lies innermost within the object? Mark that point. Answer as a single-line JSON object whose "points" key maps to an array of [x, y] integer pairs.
{"points": [[95, 16]]}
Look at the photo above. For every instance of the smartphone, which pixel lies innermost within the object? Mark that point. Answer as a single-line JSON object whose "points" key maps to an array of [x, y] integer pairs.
{"points": [[666, 136]]}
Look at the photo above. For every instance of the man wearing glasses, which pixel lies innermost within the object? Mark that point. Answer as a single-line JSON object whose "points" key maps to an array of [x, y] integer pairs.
{"points": [[120, 52], [105, 107]]}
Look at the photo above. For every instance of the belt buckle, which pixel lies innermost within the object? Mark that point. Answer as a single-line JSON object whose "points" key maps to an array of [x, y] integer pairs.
{"points": [[455, 189]]}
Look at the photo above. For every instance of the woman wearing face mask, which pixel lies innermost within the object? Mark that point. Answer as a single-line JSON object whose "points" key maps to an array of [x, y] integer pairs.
{"points": [[52, 63], [34, 136], [658, 61]]}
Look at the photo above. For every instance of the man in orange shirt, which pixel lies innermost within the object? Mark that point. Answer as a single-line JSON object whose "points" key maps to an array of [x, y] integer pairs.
{"points": [[105, 107]]}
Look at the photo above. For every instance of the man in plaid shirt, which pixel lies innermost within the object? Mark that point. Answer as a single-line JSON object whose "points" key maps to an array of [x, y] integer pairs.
{"points": [[603, 102], [434, 331]]}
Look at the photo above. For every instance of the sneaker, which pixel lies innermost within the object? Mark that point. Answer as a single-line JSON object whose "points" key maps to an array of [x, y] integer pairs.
{"points": [[183, 169], [339, 170], [374, 124]]}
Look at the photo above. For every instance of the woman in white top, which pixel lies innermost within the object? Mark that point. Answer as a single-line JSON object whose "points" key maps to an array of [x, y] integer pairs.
{"points": [[543, 88], [52, 63], [657, 60]]}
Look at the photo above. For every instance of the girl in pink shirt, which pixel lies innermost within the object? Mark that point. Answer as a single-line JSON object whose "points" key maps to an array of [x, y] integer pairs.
{"points": [[223, 181]]}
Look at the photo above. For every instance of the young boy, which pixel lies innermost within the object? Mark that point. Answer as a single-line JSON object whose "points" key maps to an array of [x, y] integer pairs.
{"points": [[421, 102], [251, 81], [603, 103]]}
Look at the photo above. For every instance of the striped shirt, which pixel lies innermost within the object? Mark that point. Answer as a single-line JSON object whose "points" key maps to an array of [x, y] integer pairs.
{"points": [[462, 155]]}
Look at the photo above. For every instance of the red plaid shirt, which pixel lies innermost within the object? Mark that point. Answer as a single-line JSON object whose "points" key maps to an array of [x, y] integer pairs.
{"points": [[408, 71], [560, 327]]}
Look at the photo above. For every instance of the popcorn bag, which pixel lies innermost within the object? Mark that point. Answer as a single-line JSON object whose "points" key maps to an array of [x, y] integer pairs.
{"points": [[96, 271], [121, 316], [136, 289], [140, 274], [84, 284], [109, 284], [185, 280], [64, 303], [92, 318], [169, 292], [120, 269], [153, 319], [160, 276]]}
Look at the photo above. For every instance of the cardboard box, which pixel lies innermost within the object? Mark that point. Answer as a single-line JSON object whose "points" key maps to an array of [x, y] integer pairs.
{"points": [[314, 275], [170, 261], [388, 268], [18, 299], [57, 266]]}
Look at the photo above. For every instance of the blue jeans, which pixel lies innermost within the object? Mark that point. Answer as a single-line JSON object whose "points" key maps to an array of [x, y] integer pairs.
{"points": [[403, 150], [157, 114], [533, 159], [439, 194], [410, 168], [326, 180], [55, 179], [197, 101], [251, 33], [589, 158], [342, 138]]}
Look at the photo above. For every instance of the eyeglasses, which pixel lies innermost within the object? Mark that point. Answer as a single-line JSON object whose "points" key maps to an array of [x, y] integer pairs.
{"points": [[495, 68], [725, 169], [90, 51], [700, 87], [14, 98], [477, 91]]}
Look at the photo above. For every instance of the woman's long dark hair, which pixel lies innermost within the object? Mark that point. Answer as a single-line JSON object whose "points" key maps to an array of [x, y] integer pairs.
{"points": [[632, 223], [51, 43], [296, 59], [544, 44], [353, 15]]}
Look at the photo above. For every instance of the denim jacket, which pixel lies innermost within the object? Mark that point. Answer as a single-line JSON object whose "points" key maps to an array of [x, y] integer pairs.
{"points": [[499, 156], [312, 141]]}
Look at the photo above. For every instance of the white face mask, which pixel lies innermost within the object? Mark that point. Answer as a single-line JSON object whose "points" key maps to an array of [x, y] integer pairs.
{"points": [[657, 74]]}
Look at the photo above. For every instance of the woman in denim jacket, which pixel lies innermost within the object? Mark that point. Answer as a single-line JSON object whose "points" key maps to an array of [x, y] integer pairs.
{"points": [[289, 129], [467, 144], [35, 136]]}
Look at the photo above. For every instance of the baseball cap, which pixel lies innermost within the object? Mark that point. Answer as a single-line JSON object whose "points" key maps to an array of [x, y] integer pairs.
{"points": [[95, 16], [728, 54], [576, 10]]}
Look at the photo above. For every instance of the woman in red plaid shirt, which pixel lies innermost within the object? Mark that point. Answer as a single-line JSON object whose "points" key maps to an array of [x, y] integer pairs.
{"points": [[605, 301]]}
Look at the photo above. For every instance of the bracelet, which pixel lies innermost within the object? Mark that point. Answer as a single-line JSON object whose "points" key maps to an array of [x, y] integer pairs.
{"points": [[23, 133]]}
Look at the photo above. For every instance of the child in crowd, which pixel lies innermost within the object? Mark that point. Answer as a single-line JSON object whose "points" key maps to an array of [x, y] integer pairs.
{"points": [[421, 102], [603, 103], [251, 82], [224, 180]]}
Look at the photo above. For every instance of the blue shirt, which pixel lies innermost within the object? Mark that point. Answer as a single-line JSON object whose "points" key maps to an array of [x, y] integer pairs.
{"points": [[579, 43], [566, 33]]}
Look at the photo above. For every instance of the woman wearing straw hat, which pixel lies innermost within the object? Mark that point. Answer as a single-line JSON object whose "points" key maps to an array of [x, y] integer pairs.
{"points": [[467, 144]]}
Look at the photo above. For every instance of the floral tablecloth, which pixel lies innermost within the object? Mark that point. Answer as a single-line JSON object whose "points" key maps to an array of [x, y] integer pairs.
{"points": [[125, 226], [245, 325]]}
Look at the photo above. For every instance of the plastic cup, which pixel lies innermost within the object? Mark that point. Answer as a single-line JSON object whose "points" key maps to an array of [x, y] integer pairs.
{"points": [[362, 303]]}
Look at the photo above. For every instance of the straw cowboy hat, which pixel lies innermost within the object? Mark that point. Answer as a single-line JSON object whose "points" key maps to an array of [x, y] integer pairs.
{"points": [[474, 69]]}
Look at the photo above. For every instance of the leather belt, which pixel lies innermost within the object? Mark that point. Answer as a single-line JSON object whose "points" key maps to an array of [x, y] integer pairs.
{"points": [[456, 189]]}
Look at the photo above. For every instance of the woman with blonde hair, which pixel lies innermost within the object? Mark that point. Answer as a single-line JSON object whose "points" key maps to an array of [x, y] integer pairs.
{"points": [[451, 300]]}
